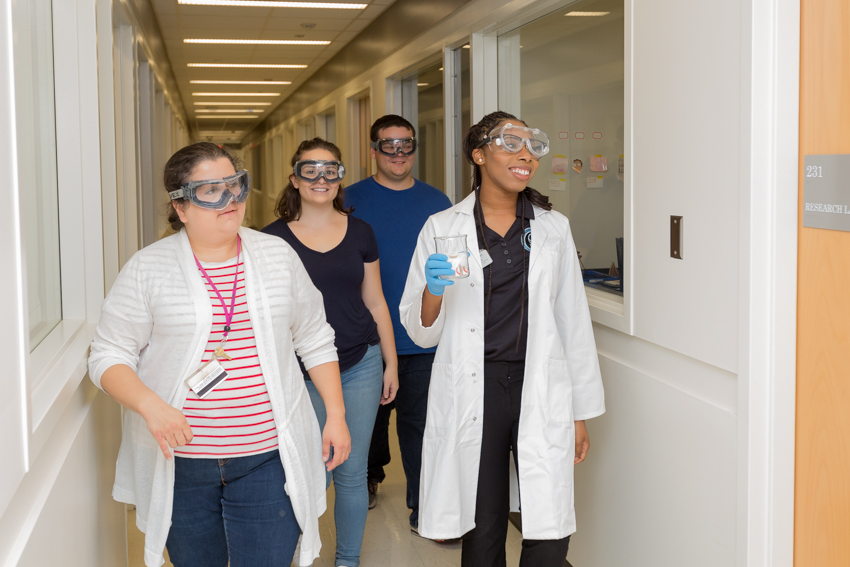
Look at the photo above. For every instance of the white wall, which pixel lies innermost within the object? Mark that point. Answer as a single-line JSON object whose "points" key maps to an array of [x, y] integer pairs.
{"points": [[688, 153], [80, 523]]}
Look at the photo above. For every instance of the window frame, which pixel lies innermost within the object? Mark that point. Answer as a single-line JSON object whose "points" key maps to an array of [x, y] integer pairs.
{"points": [[54, 369], [606, 309]]}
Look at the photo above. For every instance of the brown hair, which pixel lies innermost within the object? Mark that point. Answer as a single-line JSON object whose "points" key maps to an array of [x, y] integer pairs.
{"points": [[180, 166], [289, 205], [389, 121], [472, 141]]}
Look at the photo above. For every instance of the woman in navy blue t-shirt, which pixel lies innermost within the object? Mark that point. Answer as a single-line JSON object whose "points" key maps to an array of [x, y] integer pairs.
{"points": [[340, 253]]}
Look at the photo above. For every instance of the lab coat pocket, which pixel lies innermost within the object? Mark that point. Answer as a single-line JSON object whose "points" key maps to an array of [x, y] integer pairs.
{"points": [[560, 392], [440, 418]]}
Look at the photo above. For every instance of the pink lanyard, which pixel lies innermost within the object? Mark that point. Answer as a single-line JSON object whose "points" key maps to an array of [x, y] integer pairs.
{"points": [[228, 315]]}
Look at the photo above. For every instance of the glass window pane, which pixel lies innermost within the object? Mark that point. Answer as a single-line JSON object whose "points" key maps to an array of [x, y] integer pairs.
{"points": [[565, 75], [38, 183], [430, 127]]}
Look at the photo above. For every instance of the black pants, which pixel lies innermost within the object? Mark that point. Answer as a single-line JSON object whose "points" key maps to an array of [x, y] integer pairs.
{"points": [[484, 546], [411, 403]]}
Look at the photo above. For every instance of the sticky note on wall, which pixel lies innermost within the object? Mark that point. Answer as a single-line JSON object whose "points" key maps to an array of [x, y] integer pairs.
{"points": [[594, 182]]}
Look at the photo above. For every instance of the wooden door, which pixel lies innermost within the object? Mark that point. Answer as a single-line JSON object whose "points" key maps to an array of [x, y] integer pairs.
{"points": [[822, 495]]}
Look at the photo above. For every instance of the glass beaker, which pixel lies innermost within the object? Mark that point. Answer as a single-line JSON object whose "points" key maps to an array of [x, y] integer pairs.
{"points": [[454, 247]]}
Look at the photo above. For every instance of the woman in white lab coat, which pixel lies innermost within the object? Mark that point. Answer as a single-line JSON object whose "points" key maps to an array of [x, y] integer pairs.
{"points": [[516, 368]]}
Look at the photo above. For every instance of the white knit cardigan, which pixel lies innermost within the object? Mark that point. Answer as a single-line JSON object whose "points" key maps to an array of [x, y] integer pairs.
{"points": [[157, 320]]}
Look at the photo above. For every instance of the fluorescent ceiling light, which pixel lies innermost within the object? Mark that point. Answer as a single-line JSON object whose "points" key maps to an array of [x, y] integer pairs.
{"points": [[421, 84], [226, 110], [217, 103], [466, 46], [243, 117], [587, 14], [245, 66], [273, 4], [235, 94], [241, 82], [259, 41], [218, 133]]}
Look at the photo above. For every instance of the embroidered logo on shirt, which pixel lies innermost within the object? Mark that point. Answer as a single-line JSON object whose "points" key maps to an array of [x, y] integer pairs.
{"points": [[526, 239]]}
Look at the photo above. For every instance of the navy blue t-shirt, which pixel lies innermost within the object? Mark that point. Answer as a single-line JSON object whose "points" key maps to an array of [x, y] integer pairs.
{"points": [[338, 274], [397, 217]]}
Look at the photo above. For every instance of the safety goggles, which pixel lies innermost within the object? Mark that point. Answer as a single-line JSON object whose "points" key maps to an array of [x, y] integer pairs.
{"points": [[511, 138], [215, 194], [312, 170], [392, 146]]}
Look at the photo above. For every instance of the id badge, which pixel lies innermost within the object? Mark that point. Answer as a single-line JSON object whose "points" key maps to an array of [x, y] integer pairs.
{"points": [[206, 378], [486, 260]]}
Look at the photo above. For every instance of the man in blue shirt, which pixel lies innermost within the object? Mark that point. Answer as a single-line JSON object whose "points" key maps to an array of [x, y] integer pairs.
{"points": [[397, 206]]}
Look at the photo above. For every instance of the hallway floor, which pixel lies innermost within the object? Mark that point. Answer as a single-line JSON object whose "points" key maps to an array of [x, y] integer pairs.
{"points": [[387, 541]]}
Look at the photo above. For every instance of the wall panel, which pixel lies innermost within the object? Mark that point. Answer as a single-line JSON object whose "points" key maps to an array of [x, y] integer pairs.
{"points": [[658, 487], [686, 160], [80, 523]]}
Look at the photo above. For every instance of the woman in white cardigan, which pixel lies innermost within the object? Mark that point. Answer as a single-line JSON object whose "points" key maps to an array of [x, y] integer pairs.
{"points": [[221, 450]]}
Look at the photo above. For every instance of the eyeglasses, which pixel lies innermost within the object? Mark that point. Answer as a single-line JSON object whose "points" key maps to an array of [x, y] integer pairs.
{"points": [[392, 146], [312, 170], [511, 138], [215, 194]]}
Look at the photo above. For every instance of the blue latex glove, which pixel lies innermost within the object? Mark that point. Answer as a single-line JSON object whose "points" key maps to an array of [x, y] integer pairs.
{"points": [[437, 265]]}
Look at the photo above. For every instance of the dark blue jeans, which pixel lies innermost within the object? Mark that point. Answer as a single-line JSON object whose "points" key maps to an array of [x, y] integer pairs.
{"points": [[411, 403], [231, 509]]}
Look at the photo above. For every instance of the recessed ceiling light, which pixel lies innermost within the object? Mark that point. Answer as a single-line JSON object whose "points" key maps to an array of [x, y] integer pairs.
{"points": [[421, 84], [259, 41], [273, 4], [217, 103], [466, 46], [440, 68], [235, 94], [245, 66], [587, 14], [242, 117], [241, 82]]}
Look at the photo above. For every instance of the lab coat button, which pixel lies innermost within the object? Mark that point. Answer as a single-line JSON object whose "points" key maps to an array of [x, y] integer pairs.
{"points": [[474, 419], [471, 285], [472, 330], [473, 373]]}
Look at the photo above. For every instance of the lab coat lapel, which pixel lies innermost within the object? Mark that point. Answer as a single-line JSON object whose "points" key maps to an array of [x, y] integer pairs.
{"points": [[539, 234], [464, 223]]}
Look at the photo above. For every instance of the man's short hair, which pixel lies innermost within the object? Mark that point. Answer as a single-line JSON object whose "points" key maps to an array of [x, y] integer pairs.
{"points": [[389, 121]]}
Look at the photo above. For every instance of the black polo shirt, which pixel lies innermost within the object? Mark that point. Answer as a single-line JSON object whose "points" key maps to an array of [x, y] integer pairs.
{"points": [[502, 325]]}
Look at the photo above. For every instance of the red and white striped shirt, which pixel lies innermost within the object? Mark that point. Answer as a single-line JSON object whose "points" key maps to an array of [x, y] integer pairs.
{"points": [[235, 419]]}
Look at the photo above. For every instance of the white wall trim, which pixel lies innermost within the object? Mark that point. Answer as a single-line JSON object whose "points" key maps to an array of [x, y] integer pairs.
{"points": [[14, 409], [768, 285]]}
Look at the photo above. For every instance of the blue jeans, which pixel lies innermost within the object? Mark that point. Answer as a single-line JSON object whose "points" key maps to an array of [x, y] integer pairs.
{"points": [[411, 403], [231, 509], [362, 385]]}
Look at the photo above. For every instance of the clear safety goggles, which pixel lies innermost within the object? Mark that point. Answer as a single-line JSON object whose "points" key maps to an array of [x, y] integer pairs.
{"points": [[392, 146], [511, 138], [312, 170], [215, 194]]}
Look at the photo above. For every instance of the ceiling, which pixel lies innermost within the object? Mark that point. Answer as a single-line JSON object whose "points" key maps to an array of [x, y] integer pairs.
{"points": [[179, 22]]}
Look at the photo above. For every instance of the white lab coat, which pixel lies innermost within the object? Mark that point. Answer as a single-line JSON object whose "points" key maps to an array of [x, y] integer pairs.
{"points": [[562, 379]]}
